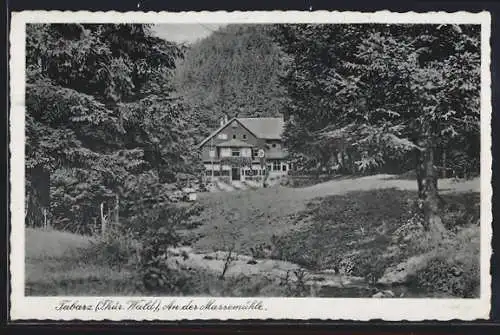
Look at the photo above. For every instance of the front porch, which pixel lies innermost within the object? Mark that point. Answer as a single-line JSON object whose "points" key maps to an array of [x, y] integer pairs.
{"points": [[227, 177], [255, 171]]}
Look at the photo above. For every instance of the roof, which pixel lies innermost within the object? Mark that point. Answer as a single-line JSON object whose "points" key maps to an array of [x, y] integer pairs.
{"points": [[235, 143], [269, 128], [277, 155]]}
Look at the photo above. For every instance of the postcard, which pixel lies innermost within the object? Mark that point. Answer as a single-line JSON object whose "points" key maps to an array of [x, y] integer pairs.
{"points": [[250, 165]]}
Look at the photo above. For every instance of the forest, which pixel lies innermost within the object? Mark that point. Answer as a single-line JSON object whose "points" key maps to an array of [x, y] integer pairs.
{"points": [[114, 113]]}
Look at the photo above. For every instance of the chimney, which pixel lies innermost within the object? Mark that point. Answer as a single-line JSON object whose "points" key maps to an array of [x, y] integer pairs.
{"points": [[223, 119]]}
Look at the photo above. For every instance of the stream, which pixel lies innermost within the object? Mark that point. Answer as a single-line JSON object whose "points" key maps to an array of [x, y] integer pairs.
{"points": [[326, 283]]}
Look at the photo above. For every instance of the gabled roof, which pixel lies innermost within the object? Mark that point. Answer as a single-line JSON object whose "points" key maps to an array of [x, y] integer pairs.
{"points": [[215, 132], [269, 128], [235, 143]]}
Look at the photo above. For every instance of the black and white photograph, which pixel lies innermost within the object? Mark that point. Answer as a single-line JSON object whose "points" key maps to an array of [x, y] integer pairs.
{"points": [[237, 159]]}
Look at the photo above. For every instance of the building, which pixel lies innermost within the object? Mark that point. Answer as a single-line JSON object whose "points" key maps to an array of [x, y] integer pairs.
{"points": [[245, 149]]}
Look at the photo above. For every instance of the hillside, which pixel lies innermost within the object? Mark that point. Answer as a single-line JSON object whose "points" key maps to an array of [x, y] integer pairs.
{"points": [[282, 228], [233, 71]]}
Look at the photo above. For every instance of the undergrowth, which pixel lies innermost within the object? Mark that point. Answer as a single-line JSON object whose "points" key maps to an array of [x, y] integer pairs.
{"points": [[365, 233]]}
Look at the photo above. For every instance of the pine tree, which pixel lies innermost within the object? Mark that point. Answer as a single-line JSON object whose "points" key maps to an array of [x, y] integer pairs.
{"points": [[234, 71], [380, 92], [102, 121]]}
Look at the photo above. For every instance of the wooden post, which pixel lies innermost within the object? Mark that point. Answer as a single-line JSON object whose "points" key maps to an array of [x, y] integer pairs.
{"points": [[117, 208], [444, 168], [44, 211], [212, 158], [103, 219]]}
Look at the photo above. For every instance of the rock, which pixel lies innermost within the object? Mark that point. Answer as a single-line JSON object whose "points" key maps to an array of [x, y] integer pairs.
{"points": [[384, 294], [208, 257], [457, 272], [252, 262], [401, 273]]}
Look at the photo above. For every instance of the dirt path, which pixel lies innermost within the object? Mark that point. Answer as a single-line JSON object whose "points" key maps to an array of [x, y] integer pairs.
{"points": [[381, 181]]}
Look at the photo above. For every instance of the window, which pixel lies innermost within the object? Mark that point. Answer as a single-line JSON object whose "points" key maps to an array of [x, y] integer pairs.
{"points": [[235, 153], [225, 173], [274, 145], [276, 166], [222, 136], [284, 167], [234, 136], [216, 173], [246, 152], [244, 136], [225, 152], [211, 153]]}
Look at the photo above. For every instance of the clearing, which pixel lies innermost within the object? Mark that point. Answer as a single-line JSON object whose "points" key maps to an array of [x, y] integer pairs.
{"points": [[59, 263], [251, 217]]}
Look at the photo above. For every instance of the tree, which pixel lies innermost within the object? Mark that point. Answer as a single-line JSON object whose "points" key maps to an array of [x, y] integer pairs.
{"points": [[101, 119], [234, 71], [385, 91]]}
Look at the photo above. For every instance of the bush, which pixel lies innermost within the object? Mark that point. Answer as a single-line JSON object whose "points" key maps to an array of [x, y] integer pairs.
{"points": [[461, 210], [454, 270], [450, 278], [114, 248], [142, 244], [365, 233]]}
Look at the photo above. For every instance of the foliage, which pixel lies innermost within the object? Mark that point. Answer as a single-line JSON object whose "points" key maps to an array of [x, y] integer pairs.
{"points": [[233, 71], [370, 231], [103, 122], [114, 249], [373, 92], [454, 270]]}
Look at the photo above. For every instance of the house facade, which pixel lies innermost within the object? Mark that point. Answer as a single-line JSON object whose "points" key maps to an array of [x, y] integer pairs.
{"points": [[245, 149]]}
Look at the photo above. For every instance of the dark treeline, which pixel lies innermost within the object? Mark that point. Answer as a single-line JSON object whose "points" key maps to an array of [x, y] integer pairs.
{"points": [[365, 96], [234, 71], [104, 126]]}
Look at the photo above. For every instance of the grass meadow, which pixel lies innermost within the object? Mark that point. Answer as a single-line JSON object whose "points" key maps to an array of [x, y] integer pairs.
{"points": [[366, 230]]}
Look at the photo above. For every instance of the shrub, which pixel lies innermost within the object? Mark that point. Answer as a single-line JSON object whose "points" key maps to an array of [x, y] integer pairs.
{"points": [[115, 248], [369, 265], [142, 244], [450, 278], [454, 268]]}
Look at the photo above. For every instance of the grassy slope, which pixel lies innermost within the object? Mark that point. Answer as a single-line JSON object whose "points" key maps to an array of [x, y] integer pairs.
{"points": [[250, 218], [362, 224], [58, 263], [355, 220]]}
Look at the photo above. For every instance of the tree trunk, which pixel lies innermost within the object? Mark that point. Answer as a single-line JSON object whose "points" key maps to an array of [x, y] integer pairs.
{"points": [[38, 197], [430, 197], [420, 172]]}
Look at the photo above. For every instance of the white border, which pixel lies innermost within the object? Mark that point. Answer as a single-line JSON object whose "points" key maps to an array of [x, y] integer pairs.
{"points": [[275, 308]]}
